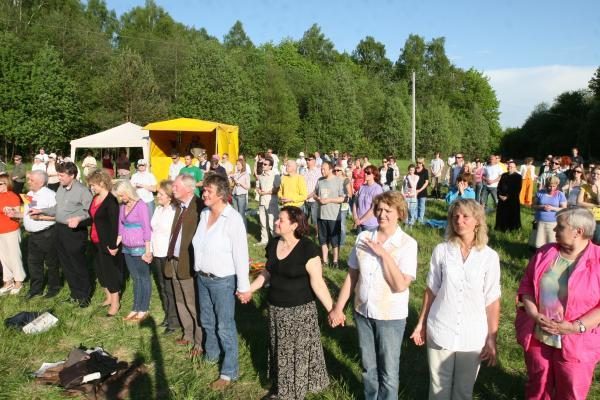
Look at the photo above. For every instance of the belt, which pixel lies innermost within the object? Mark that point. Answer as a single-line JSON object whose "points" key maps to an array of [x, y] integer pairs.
{"points": [[42, 231], [207, 274]]}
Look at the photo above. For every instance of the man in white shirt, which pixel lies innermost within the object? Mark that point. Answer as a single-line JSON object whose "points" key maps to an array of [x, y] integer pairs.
{"points": [[267, 187], [311, 176], [436, 167], [145, 184], [318, 159], [301, 163], [38, 163], [491, 177], [43, 155], [275, 159], [40, 244], [175, 166]]}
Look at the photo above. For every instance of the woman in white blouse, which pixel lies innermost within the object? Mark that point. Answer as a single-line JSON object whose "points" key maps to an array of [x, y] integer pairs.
{"points": [[383, 264], [461, 305], [162, 221]]}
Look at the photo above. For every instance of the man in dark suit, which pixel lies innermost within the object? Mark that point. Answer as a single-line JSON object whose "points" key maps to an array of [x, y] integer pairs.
{"points": [[180, 260]]}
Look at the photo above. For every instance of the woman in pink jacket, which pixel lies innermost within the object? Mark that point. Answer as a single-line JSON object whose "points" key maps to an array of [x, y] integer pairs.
{"points": [[559, 311]]}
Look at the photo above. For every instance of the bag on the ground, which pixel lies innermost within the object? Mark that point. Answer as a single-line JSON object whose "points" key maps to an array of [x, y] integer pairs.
{"points": [[18, 321]]}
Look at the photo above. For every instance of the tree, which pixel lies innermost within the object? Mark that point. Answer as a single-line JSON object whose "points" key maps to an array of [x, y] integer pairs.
{"points": [[316, 47], [412, 58], [128, 92], [594, 84], [370, 54], [53, 110], [237, 38]]}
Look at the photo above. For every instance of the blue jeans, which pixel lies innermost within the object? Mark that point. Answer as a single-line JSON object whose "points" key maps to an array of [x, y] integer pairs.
{"points": [[342, 217], [216, 297], [412, 210], [478, 189], [240, 204], [487, 191], [421, 201], [380, 344], [142, 284]]}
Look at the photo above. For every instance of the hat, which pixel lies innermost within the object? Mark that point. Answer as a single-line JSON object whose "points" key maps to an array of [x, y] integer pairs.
{"points": [[142, 162], [215, 157], [39, 157], [52, 155], [301, 154]]}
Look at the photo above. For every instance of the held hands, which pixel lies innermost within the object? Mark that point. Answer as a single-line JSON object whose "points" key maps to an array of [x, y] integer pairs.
{"points": [[503, 198], [244, 297], [112, 252], [419, 335], [146, 257], [488, 353], [336, 317]]}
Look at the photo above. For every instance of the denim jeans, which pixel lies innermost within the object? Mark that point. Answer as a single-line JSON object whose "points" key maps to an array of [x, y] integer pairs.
{"points": [[487, 191], [421, 201], [217, 308], [312, 211], [240, 204], [142, 284], [412, 210], [342, 217], [478, 190], [380, 344]]}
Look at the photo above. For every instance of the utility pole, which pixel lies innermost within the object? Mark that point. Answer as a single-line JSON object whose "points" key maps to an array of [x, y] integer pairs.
{"points": [[414, 119]]}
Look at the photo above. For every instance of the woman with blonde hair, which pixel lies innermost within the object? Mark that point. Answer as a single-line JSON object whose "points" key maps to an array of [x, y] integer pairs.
{"points": [[461, 306], [104, 213], [135, 235], [383, 264]]}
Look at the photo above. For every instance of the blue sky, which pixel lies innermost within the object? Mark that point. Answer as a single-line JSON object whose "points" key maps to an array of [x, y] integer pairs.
{"points": [[532, 50]]}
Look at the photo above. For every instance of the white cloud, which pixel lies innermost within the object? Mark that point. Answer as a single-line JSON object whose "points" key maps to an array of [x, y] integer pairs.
{"points": [[521, 89]]}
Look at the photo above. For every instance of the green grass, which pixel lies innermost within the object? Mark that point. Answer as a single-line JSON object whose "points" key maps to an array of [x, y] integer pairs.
{"points": [[171, 374]]}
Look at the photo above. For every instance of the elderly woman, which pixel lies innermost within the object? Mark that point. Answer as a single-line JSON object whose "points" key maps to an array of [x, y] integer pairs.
{"points": [[13, 273], [162, 224], [383, 263], [135, 235], [547, 203], [589, 197], [296, 361], [221, 262], [461, 306], [558, 313], [362, 207], [104, 213]]}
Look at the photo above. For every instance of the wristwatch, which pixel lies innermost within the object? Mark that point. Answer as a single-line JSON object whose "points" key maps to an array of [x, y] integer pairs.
{"points": [[580, 326]]}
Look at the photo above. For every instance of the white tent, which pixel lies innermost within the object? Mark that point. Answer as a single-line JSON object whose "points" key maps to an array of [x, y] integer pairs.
{"points": [[126, 135]]}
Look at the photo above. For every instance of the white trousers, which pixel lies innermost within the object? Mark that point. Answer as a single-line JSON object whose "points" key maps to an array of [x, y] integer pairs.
{"points": [[267, 216], [10, 256], [452, 373]]}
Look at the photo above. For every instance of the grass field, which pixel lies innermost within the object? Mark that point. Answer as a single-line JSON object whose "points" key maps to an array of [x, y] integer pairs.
{"points": [[172, 375]]}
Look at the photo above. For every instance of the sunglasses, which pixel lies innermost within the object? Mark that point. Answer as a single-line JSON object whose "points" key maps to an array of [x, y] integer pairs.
{"points": [[459, 156], [368, 173], [337, 170], [578, 171], [556, 163]]}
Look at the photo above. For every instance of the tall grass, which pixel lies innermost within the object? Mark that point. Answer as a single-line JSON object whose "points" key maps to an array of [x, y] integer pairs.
{"points": [[172, 375]]}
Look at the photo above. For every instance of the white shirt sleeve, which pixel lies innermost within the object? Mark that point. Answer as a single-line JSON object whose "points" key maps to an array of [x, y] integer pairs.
{"points": [[434, 276], [237, 233], [491, 282]]}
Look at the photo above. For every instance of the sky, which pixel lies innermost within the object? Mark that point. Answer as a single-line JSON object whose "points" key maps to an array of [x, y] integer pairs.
{"points": [[532, 50]]}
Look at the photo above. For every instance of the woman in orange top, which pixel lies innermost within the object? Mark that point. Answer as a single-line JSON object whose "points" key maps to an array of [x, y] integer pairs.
{"points": [[529, 177], [13, 273]]}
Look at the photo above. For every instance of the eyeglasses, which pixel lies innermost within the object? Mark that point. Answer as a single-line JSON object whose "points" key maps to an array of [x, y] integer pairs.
{"points": [[556, 163], [578, 171], [337, 170]]}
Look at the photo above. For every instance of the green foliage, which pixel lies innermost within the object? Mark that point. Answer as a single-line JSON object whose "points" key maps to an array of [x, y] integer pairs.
{"points": [[572, 120], [295, 95]]}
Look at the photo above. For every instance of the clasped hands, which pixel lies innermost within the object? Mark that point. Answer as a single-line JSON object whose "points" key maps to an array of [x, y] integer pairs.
{"points": [[244, 297], [336, 317]]}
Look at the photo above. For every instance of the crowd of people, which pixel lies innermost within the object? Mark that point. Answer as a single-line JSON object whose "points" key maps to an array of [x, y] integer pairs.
{"points": [[190, 232]]}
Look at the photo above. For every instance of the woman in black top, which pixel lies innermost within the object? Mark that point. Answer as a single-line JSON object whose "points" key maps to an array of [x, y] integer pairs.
{"points": [[296, 361], [508, 212]]}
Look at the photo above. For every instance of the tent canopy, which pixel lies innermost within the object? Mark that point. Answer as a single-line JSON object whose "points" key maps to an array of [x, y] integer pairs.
{"points": [[125, 135], [185, 134]]}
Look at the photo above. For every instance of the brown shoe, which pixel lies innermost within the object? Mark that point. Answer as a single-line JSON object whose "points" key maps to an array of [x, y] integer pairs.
{"points": [[183, 342], [220, 384]]}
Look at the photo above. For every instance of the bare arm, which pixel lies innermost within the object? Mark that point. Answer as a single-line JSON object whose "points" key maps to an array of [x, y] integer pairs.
{"points": [[336, 316], [315, 273], [419, 335], [489, 350]]}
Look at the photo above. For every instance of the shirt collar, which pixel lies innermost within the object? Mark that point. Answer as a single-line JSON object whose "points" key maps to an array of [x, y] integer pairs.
{"points": [[396, 238]]}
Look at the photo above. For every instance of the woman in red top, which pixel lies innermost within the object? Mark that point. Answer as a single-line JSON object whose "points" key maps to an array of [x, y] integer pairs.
{"points": [[358, 175], [10, 236], [104, 212]]}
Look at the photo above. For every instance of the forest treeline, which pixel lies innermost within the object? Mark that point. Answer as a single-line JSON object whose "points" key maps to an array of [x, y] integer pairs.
{"points": [[572, 120], [70, 68]]}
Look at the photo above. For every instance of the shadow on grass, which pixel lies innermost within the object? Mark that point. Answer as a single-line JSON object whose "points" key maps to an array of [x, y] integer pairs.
{"points": [[252, 326]]}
